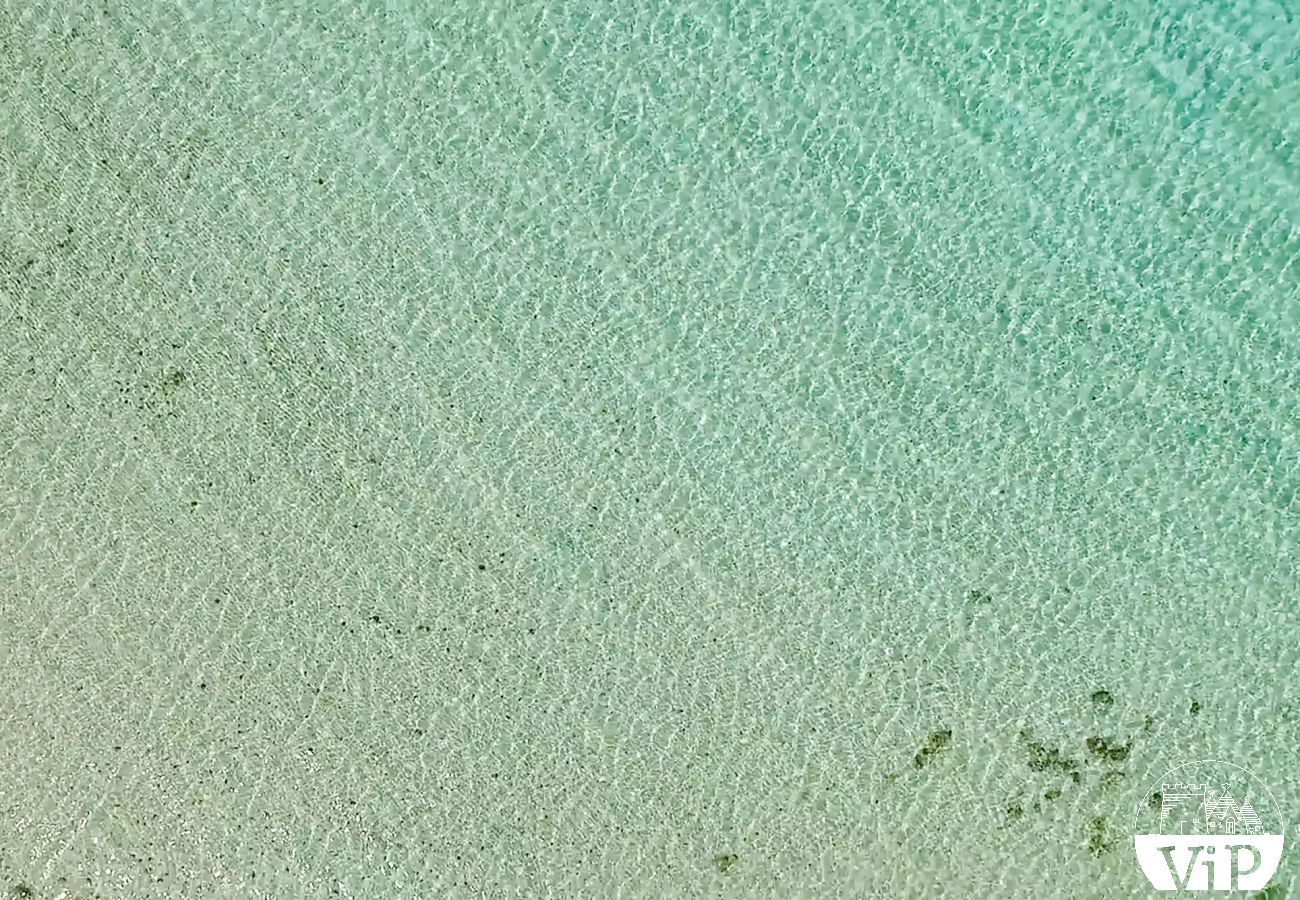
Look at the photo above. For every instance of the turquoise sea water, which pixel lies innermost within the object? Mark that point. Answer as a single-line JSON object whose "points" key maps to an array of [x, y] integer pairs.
{"points": [[592, 450]]}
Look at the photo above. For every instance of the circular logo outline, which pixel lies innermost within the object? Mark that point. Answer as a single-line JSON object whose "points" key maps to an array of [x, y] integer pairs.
{"points": [[1277, 807]]}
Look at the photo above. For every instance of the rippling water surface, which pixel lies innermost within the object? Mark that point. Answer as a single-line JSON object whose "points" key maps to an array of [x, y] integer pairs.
{"points": [[683, 450]]}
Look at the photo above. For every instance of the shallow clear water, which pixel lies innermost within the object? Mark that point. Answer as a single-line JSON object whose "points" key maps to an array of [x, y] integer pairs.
{"points": [[741, 450]]}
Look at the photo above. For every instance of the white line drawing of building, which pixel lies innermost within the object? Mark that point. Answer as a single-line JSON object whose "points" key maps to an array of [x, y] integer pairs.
{"points": [[1224, 816], [1214, 812], [1173, 796]]}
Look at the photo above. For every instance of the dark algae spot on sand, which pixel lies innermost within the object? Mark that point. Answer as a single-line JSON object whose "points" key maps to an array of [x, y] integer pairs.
{"points": [[1112, 778], [933, 744], [724, 862], [1103, 698], [1107, 749], [1099, 838], [1042, 758]]}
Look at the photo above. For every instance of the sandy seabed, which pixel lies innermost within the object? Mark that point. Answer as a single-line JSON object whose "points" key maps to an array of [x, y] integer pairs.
{"points": [[753, 450]]}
